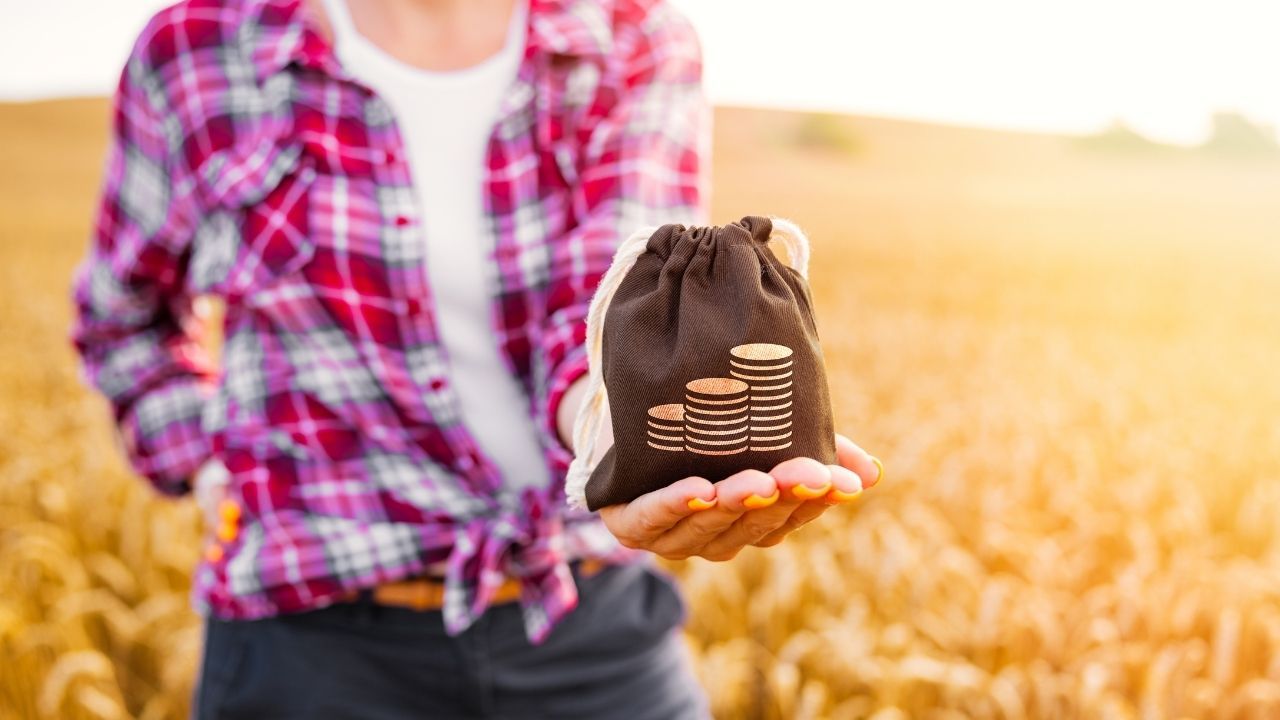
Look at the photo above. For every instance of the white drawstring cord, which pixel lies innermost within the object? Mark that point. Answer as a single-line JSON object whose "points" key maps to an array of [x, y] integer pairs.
{"points": [[591, 415], [796, 243], [586, 426]]}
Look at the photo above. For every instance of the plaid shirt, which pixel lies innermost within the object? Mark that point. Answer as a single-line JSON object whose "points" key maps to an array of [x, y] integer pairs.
{"points": [[246, 164]]}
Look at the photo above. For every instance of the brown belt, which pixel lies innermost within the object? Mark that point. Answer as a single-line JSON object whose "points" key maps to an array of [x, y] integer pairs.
{"points": [[427, 593]]}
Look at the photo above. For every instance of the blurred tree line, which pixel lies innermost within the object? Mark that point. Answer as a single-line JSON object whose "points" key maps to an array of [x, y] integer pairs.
{"points": [[1232, 134]]}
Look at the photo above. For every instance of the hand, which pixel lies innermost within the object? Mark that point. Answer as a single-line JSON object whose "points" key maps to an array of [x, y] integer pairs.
{"points": [[694, 517], [210, 489]]}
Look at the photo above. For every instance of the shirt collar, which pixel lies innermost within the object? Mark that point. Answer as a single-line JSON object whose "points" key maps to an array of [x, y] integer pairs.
{"points": [[571, 27], [286, 34]]}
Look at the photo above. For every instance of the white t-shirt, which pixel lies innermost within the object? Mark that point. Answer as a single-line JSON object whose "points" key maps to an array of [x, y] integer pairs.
{"points": [[446, 119]]}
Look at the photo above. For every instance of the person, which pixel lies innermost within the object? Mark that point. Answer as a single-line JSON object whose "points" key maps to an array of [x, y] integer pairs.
{"points": [[405, 206]]}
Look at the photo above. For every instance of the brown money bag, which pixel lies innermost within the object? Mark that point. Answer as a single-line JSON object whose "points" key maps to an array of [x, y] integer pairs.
{"points": [[704, 356]]}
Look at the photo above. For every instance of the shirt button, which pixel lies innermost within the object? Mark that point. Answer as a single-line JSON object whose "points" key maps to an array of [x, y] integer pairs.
{"points": [[378, 432], [389, 156], [402, 220], [438, 384]]}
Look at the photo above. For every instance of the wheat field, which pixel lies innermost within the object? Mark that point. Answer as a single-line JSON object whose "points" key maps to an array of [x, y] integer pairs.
{"points": [[1065, 356]]}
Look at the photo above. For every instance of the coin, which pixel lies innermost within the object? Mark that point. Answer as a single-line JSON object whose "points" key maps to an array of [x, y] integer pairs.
{"points": [[666, 427], [716, 401], [765, 356], [715, 390], [767, 368]]}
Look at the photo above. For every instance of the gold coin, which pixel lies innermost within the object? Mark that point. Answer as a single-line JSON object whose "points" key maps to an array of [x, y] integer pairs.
{"points": [[757, 378], [769, 408], [657, 436], [716, 386], [672, 411], [689, 399], [730, 441], [759, 366], [768, 438], [734, 451], [761, 352], [729, 431], [728, 421], [692, 412]]}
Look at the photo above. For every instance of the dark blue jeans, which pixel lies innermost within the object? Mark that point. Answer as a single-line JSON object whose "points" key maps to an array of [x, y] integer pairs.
{"points": [[618, 655]]}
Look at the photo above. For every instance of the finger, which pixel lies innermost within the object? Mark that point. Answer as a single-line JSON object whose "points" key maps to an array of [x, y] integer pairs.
{"points": [[806, 513], [734, 496], [802, 479], [742, 491], [798, 480], [846, 486], [867, 466], [638, 523]]}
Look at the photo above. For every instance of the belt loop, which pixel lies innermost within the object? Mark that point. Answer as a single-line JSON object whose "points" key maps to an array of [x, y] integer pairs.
{"points": [[366, 608]]}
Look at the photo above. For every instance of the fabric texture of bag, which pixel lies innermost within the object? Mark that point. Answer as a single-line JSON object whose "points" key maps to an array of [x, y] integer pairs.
{"points": [[704, 356]]}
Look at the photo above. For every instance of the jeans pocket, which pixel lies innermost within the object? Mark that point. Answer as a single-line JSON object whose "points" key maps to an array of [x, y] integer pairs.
{"points": [[667, 604], [224, 648], [626, 608]]}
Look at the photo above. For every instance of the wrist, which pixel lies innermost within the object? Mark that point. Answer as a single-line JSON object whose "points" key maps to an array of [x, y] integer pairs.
{"points": [[210, 484], [567, 412]]}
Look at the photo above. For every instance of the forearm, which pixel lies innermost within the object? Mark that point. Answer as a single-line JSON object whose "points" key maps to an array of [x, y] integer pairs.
{"points": [[134, 328]]}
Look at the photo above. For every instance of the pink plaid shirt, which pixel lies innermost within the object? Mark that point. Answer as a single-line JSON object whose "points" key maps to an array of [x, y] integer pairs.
{"points": [[246, 164]]}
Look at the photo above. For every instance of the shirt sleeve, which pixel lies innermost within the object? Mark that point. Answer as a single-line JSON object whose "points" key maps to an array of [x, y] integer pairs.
{"points": [[135, 331], [644, 165]]}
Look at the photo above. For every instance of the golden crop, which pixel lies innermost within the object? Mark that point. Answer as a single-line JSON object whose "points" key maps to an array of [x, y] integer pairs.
{"points": [[1065, 357]]}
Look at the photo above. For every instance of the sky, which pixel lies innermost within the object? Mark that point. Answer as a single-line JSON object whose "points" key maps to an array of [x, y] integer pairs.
{"points": [[1161, 66]]}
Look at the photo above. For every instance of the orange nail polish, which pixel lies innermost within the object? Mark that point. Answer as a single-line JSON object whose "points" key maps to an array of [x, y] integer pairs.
{"points": [[804, 492], [227, 532], [755, 502], [229, 511], [213, 553], [700, 504], [839, 496]]}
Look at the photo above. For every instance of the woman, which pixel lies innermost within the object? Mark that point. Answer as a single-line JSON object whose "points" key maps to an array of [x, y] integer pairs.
{"points": [[406, 205]]}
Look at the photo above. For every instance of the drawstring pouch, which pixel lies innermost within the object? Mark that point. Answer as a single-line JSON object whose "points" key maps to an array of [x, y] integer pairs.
{"points": [[703, 354]]}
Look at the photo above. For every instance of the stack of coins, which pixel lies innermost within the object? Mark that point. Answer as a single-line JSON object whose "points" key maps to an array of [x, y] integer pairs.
{"points": [[666, 427], [767, 369], [715, 416]]}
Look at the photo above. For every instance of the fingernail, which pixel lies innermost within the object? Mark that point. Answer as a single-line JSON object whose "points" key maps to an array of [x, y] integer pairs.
{"points": [[229, 511], [840, 496], [804, 492], [700, 504], [755, 502], [879, 467], [213, 553], [227, 532]]}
